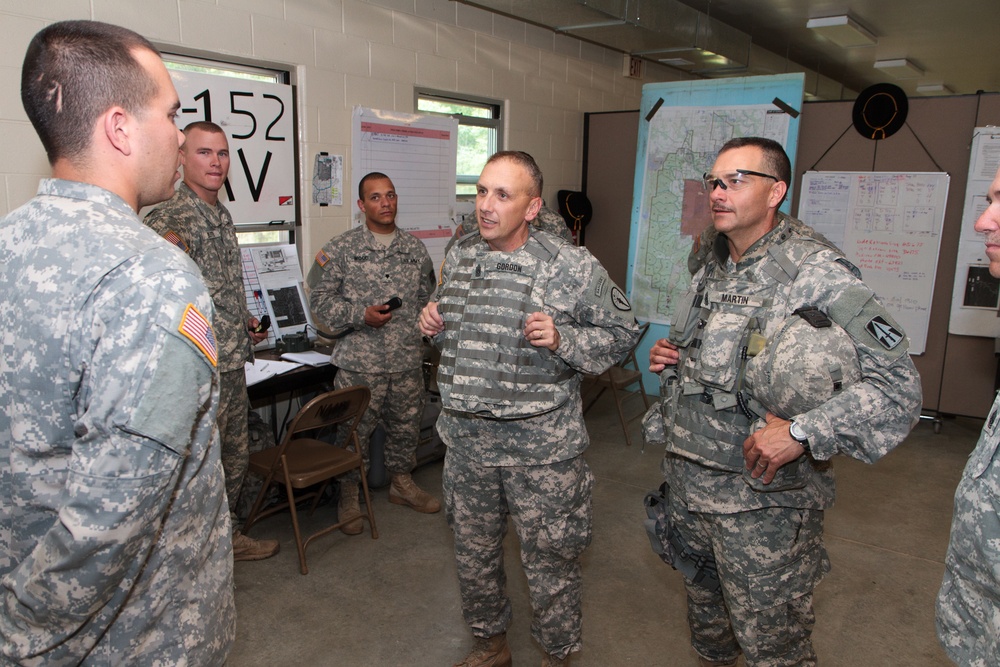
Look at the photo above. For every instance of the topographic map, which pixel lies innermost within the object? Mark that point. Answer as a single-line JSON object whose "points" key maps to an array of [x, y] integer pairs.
{"points": [[681, 146]]}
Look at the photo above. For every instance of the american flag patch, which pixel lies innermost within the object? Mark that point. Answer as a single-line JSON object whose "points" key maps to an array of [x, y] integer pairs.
{"points": [[199, 331], [322, 258], [172, 236]]}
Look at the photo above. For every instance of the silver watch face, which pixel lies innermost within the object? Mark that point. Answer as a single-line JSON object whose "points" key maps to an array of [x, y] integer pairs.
{"points": [[796, 432]]}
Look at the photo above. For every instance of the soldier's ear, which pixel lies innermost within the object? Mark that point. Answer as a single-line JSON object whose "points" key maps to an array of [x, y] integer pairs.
{"points": [[533, 208]]}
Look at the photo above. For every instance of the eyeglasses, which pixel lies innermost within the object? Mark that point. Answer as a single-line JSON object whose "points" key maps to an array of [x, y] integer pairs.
{"points": [[732, 181]]}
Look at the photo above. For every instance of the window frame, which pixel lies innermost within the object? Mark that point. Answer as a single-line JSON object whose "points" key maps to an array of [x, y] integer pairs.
{"points": [[495, 123]]}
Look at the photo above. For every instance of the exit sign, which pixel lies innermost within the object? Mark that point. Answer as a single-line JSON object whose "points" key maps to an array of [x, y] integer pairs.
{"points": [[632, 67]]}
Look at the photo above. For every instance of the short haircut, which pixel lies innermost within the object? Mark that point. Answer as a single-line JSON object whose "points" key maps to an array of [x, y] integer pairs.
{"points": [[526, 161], [204, 126], [73, 72], [372, 176], [776, 160]]}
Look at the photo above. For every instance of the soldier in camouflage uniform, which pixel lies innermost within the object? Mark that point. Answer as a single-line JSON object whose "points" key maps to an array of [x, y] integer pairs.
{"points": [[968, 605], [353, 278], [746, 503], [518, 316], [115, 545], [199, 224]]}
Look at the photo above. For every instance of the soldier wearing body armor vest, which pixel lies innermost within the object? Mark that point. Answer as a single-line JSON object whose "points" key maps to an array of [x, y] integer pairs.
{"points": [[518, 316], [746, 499]]}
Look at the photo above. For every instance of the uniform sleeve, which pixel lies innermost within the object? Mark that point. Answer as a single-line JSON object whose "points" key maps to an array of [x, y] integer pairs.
{"points": [[146, 389], [868, 419], [327, 299], [594, 317], [427, 279]]}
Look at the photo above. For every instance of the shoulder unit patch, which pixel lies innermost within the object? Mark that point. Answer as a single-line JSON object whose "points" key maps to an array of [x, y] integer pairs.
{"points": [[198, 330], [887, 335]]}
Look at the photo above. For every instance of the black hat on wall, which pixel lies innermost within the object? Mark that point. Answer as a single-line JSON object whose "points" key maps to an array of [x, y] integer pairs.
{"points": [[575, 208], [880, 111]]}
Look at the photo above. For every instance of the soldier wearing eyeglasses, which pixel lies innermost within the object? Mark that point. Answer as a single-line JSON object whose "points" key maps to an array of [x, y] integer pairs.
{"points": [[745, 490]]}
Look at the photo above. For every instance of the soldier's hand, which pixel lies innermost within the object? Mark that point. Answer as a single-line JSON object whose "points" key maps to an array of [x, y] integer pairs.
{"points": [[662, 354], [256, 337], [540, 330], [430, 321], [769, 448], [377, 315]]}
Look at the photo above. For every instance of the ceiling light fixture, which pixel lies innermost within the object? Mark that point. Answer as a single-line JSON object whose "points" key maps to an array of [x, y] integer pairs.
{"points": [[842, 30], [934, 89], [899, 68]]}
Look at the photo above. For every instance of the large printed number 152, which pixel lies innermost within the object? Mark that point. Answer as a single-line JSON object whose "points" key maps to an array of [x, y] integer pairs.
{"points": [[205, 97]]}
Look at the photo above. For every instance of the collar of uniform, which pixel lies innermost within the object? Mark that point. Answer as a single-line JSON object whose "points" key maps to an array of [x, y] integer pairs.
{"points": [[780, 232], [57, 187], [214, 214]]}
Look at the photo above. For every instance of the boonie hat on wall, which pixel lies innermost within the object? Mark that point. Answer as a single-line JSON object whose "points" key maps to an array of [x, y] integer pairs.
{"points": [[880, 111], [575, 208]]}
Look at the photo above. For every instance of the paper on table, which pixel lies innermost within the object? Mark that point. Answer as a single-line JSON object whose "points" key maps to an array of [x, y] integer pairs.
{"points": [[312, 357], [262, 369]]}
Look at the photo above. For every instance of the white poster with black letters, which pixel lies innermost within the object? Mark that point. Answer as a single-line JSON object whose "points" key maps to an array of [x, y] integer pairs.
{"points": [[257, 117]]}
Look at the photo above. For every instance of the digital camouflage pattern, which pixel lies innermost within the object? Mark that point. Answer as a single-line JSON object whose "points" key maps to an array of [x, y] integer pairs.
{"points": [[784, 270], [968, 604], [596, 327], [207, 234], [801, 367], [354, 271], [115, 546], [531, 468], [397, 400], [547, 220], [864, 421], [551, 509]]}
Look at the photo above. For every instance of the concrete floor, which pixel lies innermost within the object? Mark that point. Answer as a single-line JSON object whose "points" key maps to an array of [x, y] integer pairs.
{"points": [[394, 601]]}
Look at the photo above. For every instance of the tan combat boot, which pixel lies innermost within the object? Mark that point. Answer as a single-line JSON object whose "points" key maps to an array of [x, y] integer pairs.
{"points": [[552, 661], [348, 507], [247, 548], [489, 652], [404, 491]]}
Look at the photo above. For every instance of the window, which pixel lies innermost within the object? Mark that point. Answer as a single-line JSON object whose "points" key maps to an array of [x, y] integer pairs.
{"points": [[480, 131], [252, 233]]}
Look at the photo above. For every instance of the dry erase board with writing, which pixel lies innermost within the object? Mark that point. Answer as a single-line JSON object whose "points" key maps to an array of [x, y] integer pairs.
{"points": [[258, 118], [889, 225]]}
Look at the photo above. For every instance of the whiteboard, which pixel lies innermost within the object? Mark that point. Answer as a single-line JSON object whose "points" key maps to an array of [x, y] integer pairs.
{"points": [[418, 153], [257, 117], [889, 225], [975, 295]]}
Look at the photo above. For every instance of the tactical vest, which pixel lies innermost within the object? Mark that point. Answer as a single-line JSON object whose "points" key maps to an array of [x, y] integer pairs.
{"points": [[720, 324], [487, 366]]}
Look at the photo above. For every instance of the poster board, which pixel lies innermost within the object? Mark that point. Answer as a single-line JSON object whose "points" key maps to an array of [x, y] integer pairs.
{"points": [[419, 153], [889, 225], [976, 294], [677, 143], [258, 118], [272, 283]]}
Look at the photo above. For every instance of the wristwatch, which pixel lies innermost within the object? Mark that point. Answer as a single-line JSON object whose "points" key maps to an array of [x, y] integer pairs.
{"points": [[798, 434]]}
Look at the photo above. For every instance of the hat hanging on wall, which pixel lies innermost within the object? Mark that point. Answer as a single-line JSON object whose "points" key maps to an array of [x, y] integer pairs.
{"points": [[575, 208], [880, 111]]}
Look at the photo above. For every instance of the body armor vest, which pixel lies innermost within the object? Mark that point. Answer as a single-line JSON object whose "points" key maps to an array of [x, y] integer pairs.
{"points": [[718, 327], [487, 366]]}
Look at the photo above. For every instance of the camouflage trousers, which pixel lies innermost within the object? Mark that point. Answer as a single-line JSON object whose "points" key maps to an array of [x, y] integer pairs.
{"points": [[398, 402], [769, 562], [551, 509], [234, 434]]}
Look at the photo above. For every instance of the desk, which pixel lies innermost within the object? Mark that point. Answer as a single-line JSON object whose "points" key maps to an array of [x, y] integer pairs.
{"points": [[303, 378]]}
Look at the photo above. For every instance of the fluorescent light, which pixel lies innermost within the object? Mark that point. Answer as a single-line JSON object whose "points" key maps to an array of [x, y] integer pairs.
{"points": [[934, 89], [900, 68], [676, 62], [842, 30]]}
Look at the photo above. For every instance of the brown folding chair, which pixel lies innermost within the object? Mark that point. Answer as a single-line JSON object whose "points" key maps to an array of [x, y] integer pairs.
{"points": [[301, 461], [618, 379]]}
